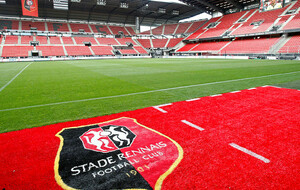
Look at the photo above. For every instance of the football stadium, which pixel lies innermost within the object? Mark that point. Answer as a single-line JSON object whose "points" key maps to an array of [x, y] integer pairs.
{"points": [[149, 94]]}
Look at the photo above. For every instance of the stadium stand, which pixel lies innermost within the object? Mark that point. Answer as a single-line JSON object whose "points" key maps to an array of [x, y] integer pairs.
{"points": [[158, 30], [102, 50], [195, 25], [9, 24], [250, 46], [123, 41], [209, 46], [28, 25], [58, 27], [182, 27], [130, 30], [67, 40], [26, 39], [128, 51], [11, 40], [117, 29], [293, 24], [51, 50], [16, 51], [78, 50], [159, 43], [140, 50], [78, 27], [173, 42], [107, 41], [225, 23], [101, 29], [292, 46], [187, 47], [170, 29], [81, 40], [259, 22], [42, 39], [202, 29], [54, 40], [145, 43]]}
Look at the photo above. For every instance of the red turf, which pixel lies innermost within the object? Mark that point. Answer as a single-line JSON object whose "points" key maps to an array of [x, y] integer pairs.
{"points": [[264, 120]]}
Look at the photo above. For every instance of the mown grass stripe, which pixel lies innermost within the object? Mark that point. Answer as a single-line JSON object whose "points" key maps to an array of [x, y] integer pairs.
{"points": [[145, 92]]}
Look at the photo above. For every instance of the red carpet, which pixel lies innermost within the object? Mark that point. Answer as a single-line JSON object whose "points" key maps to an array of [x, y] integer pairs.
{"points": [[243, 140]]}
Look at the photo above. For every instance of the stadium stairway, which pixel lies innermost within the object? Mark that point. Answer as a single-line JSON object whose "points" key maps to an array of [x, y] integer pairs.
{"points": [[281, 42]]}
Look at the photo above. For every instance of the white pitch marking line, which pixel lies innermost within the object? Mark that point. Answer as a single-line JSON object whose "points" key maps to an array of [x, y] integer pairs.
{"points": [[160, 109], [8, 83], [216, 95], [192, 125], [265, 160], [192, 99], [251, 88], [145, 92], [235, 91]]}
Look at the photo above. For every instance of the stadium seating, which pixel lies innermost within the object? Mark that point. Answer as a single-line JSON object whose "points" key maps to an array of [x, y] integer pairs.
{"points": [[9, 24], [293, 24], [158, 30], [128, 51], [182, 27], [170, 29], [78, 50], [173, 42], [292, 46], [261, 45], [140, 50], [187, 47], [58, 27], [80, 40], [102, 50], [159, 43], [100, 29], [51, 50], [117, 29], [195, 26], [268, 18], [26, 25], [16, 51], [130, 30], [202, 29], [77, 27], [123, 41], [11, 39], [54, 40], [42, 39], [225, 23], [145, 43], [67, 40], [107, 41], [26, 39], [209, 46]]}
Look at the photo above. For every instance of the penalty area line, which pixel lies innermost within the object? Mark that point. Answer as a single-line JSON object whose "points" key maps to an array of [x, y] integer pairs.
{"points": [[8, 83], [139, 93]]}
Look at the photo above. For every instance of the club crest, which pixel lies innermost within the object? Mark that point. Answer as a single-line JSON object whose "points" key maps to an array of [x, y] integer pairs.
{"points": [[117, 154]]}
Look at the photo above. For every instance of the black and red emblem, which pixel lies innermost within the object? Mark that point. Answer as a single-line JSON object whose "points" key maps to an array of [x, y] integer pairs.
{"points": [[28, 4], [117, 154], [107, 138]]}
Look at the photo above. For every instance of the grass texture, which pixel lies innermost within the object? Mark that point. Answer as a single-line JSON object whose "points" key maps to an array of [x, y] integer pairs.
{"points": [[58, 91]]}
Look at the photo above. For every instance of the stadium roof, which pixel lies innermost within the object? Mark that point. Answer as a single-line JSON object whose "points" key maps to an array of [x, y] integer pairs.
{"points": [[150, 12]]}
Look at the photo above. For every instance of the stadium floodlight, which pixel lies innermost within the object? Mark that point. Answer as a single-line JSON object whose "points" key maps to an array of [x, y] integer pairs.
{"points": [[2, 1], [124, 5], [161, 10], [101, 2], [175, 12]]}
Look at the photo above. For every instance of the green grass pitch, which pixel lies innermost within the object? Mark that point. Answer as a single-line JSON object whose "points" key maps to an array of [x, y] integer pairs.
{"points": [[51, 92]]}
